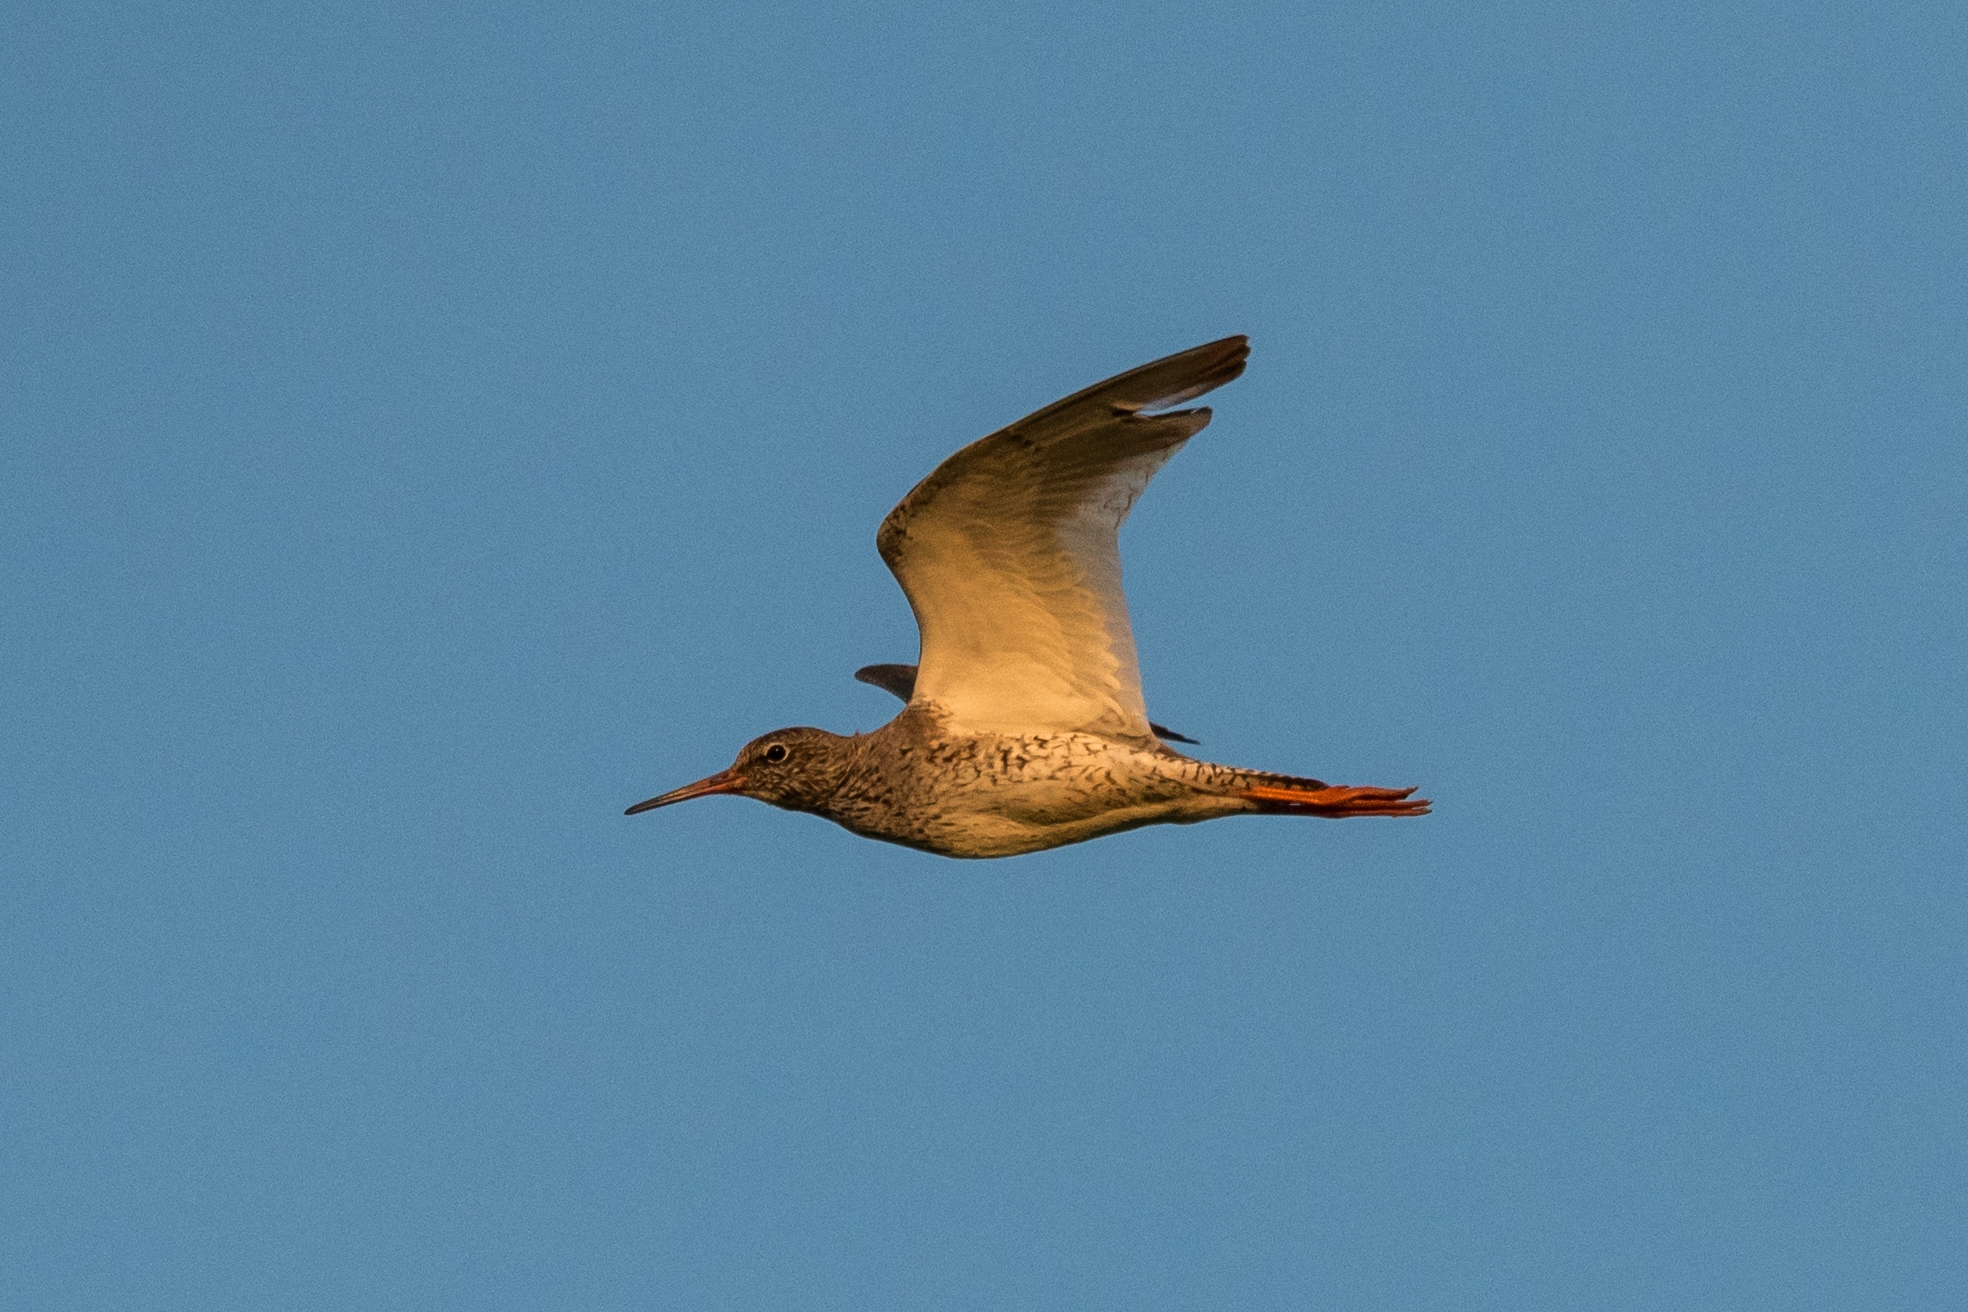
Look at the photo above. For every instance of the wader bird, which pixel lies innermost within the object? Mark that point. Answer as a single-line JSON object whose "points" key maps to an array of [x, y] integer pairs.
{"points": [[1024, 726]]}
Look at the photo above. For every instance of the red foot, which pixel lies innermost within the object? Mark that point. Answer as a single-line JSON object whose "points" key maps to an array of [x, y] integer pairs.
{"points": [[1336, 803]]}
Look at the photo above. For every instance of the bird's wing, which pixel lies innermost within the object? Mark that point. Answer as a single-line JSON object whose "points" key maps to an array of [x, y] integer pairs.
{"points": [[898, 679], [1008, 552]]}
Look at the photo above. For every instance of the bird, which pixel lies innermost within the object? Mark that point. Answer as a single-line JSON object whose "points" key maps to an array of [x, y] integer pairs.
{"points": [[1024, 727]]}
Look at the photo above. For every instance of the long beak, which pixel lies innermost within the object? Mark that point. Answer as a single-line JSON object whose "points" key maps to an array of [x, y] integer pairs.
{"points": [[724, 781]]}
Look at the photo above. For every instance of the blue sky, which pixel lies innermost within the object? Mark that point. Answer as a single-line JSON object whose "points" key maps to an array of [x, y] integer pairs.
{"points": [[430, 429]]}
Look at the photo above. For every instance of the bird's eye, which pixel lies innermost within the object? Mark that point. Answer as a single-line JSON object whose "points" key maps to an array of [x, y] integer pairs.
{"points": [[776, 753]]}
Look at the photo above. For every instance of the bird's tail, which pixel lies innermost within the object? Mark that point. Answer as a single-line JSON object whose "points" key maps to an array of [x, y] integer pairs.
{"points": [[1282, 794]]}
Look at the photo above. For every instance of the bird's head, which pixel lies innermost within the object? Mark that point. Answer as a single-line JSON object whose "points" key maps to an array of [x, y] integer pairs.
{"points": [[798, 769]]}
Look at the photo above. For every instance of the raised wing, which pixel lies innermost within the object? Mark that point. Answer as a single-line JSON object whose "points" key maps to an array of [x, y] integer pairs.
{"points": [[1009, 553]]}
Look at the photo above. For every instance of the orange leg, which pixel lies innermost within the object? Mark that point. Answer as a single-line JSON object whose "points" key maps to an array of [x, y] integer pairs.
{"points": [[1335, 803]]}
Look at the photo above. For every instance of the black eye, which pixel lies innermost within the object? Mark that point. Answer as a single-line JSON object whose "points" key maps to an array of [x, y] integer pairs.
{"points": [[776, 753]]}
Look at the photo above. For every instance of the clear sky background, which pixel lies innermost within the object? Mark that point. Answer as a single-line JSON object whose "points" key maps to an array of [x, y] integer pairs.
{"points": [[429, 429]]}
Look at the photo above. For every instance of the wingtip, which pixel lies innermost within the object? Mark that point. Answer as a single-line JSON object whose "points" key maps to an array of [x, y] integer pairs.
{"points": [[1201, 368], [1235, 351], [1234, 344]]}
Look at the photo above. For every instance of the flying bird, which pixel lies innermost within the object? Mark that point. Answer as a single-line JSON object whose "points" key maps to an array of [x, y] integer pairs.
{"points": [[1024, 726]]}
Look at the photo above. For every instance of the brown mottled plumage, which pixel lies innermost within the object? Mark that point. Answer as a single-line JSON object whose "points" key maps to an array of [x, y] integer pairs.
{"points": [[1025, 727]]}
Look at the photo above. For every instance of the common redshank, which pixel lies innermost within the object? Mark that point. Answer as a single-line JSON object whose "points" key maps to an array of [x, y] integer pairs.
{"points": [[1025, 726]]}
